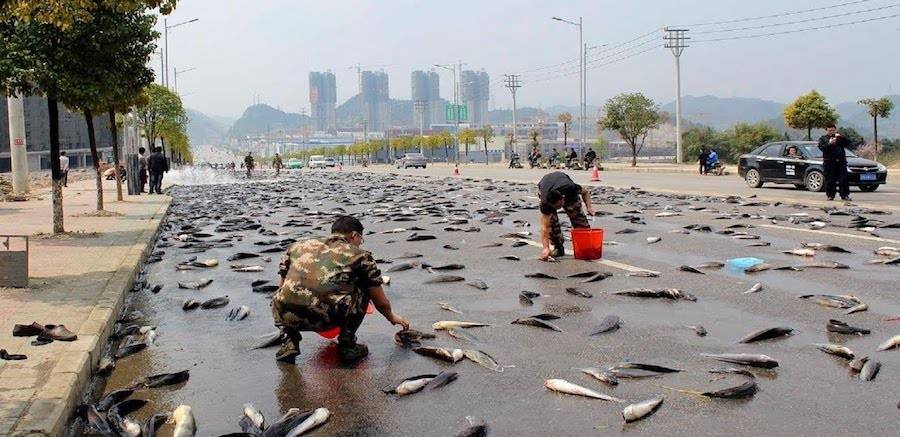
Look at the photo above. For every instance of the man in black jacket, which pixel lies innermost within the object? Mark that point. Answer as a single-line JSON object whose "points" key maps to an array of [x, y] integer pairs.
{"points": [[834, 158], [157, 164]]}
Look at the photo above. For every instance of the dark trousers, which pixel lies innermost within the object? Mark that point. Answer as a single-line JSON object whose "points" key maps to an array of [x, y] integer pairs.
{"points": [[702, 168], [65, 178], [156, 182], [576, 216], [347, 317], [836, 175], [143, 174]]}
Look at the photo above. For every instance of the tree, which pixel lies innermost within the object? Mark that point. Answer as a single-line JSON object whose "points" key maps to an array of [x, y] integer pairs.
{"points": [[566, 119], [534, 134], [162, 113], [853, 136], [65, 14], [699, 137], [467, 136], [446, 139], [810, 111], [744, 137], [432, 142], [487, 134], [632, 116], [878, 108]]}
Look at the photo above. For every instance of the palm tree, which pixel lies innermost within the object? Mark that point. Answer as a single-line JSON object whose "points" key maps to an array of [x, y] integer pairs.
{"points": [[566, 119], [487, 134], [878, 108]]}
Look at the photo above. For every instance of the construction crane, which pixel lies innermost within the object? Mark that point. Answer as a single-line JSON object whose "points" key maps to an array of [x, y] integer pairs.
{"points": [[359, 68]]}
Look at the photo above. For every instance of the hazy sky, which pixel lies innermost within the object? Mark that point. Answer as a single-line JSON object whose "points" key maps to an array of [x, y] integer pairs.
{"points": [[243, 48]]}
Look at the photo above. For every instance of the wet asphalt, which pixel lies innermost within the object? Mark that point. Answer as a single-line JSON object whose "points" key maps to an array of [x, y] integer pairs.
{"points": [[810, 393]]}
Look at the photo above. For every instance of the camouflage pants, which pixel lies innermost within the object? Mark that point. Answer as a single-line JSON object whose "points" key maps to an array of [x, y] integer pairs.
{"points": [[346, 313], [576, 216]]}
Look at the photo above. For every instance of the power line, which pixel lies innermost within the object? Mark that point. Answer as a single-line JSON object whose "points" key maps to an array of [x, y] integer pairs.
{"points": [[807, 20], [782, 14], [598, 66], [597, 59], [807, 29]]}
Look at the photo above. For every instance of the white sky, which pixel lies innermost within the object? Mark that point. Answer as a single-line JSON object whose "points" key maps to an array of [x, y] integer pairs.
{"points": [[243, 48]]}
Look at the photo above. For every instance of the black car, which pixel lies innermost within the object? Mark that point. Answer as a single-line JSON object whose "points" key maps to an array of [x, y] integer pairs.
{"points": [[771, 163]]}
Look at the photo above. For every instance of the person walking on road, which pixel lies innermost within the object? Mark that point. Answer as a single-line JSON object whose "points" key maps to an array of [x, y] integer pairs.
{"points": [[157, 165], [834, 157], [277, 164], [327, 282], [142, 166], [557, 190], [702, 158], [248, 163], [64, 168]]}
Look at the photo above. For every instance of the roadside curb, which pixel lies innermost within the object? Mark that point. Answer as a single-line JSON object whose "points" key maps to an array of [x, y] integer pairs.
{"points": [[50, 409]]}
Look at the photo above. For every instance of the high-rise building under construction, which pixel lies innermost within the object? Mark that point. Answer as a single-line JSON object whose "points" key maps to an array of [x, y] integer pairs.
{"points": [[322, 100], [475, 94], [376, 100], [426, 95]]}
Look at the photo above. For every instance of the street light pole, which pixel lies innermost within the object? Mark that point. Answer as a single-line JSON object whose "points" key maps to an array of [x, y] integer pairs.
{"points": [[175, 88], [581, 74], [166, 28]]}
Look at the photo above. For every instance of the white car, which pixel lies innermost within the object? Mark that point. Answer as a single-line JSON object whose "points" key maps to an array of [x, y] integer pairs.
{"points": [[320, 161]]}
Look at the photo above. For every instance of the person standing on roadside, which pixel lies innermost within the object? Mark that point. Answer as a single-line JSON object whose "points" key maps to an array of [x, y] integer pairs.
{"points": [[157, 165], [702, 158], [64, 168], [248, 163], [277, 164], [142, 165], [834, 157], [557, 190]]}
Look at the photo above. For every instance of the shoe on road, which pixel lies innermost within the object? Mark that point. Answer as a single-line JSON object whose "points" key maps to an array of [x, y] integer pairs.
{"points": [[288, 352], [59, 333], [31, 330], [352, 352]]}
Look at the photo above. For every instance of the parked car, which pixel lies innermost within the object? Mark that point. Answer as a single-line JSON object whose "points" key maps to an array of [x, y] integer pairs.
{"points": [[412, 160], [770, 163], [293, 163], [320, 161]]}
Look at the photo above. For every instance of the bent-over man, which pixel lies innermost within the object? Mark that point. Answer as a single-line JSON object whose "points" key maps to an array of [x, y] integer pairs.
{"points": [[557, 190]]}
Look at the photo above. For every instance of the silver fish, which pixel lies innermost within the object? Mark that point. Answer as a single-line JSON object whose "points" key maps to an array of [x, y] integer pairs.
{"points": [[450, 324], [563, 386], [889, 343], [185, 426], [483, 359], [195, 285], [869, 370], [835, 349], [857, 308], [316, 419], [641, 410], [757, 287], [601, 375], [753, 360], [448, 355], [651, 240], [447, 307], [766, 334]]}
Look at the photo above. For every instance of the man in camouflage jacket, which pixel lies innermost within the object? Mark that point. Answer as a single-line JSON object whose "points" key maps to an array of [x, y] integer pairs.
{"points": [[328, 282]]}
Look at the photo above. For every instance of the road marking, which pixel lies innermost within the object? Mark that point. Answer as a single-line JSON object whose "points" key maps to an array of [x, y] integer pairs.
{"points": [[603, 262], [834, 234]]}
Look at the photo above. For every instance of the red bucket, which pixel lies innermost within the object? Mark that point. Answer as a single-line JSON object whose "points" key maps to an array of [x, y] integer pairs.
{"points": [[587, 243], [334, 332]]}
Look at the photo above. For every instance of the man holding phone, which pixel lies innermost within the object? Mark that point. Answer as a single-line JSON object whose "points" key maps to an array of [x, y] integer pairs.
{"points": [[834, 158]]}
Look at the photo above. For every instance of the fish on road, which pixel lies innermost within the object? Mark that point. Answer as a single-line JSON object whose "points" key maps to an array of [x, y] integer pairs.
{"points": [[563, 386]]}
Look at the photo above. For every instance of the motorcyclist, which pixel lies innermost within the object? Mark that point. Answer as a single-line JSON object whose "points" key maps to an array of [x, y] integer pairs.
{"points": [[572, 157], [554, 157], [514, 160], [534, 157], [712, 163], [589, 158]]}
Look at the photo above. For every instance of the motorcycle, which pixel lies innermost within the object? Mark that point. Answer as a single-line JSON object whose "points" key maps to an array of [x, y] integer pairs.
{"points": [[515, 163]]}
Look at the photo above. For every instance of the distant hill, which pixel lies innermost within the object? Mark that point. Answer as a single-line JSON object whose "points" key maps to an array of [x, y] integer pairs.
{"points": [[501, 116], [260, 119], [203, 129], [723, 112], [559, 109]]}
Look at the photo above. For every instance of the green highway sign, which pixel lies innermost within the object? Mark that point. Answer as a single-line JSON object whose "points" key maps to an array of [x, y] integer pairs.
{"points": [[461, 110]]}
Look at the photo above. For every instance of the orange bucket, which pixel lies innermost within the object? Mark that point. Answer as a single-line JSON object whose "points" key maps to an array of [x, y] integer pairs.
{"points": [[334, 332], [587, 243]]}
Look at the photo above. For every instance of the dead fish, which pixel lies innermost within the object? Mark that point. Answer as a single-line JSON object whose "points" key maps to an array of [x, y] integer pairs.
{"points": [[476, 428], [420, 237], [129, 349], [753, 360], [274, 339], [450, 247], [156, 288], [644, 274], [394, 231], [531, 321], [154, 422], [450, 324], [252, 421], [690, 269], [757, 287], [413, 384], [477, 283], [759, 244], [843, 328], [113, 398], [409, 255], [448, 355], [446, 306], [483, 359], [318, 417], [441, 380], [163, 379], [833, 301], [563, 386], [599, 276], [627, 231], [668, 293], [190, 304], [242, 255], [710, 265], [540, 276], [857, 308], [756, 268], [640, 410], [579, 292], [216, 302], [889, 343], [444, 278], [519, 243], [448, 267], [869, 370], [487, 245], [265, 289], [766, 334], [800, 252], [825, 247], [668, 214], [609, 323], [584, 274], [857, 363], [745, 390], [401, 267], [835, 349], [824, 265], [601, 375], [195, 285], [463, 335], [510, 258], [651, 240], [238, 313], [655, 368], [699, 330], [409, 337], [530, 294]]}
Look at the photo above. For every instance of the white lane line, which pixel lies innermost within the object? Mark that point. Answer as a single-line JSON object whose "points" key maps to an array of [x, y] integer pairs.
{"points": [[603, 262], [834, 234]]}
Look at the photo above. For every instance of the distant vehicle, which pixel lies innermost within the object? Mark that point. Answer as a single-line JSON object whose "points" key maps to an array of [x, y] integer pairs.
{"points": [[320, 161], [412, 160], [770, 163], [293, 163]]}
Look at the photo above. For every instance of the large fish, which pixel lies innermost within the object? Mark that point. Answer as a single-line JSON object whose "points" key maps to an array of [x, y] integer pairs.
{"points": [[601, 375], [563, 386], [609, 323], [163, 379], [450, 324], [195, 285], [411, 337], [843, 328], [318, 417], [483, 359], [185, 426], [753, 360], [640, 410], [476, 428], [216, 302], [834, 301], [242, 255], [413, 384], [532, 321], [825, 247], [238, 313], [402, 266], [766, 334], [869, 370], [835, 349], [444, 278], [539, 275], [578, 292], [889, 343], [449, 355], [668, 293], [252, 421]]}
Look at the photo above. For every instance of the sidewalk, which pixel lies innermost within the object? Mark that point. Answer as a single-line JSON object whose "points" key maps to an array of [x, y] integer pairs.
{"points": [[79, 281]]}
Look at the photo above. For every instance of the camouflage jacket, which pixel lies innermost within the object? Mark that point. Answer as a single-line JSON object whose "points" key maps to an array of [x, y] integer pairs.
{"points": [[321, 272]]}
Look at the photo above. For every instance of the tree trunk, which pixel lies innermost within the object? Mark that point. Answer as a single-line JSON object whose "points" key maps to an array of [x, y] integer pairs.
{"points": [[55, 172], [162, 145], [875, 122], [633, 155], [115, 146], [92, 141], [809, 133], [565, 134], [486, 160]]}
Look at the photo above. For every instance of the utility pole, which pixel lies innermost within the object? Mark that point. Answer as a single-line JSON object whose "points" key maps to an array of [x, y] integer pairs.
{"points": [[581, 74], [175, 88], [512, 82], [675, 40], [420, 108], [17, 150], [457, 76], [166, 26]]}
